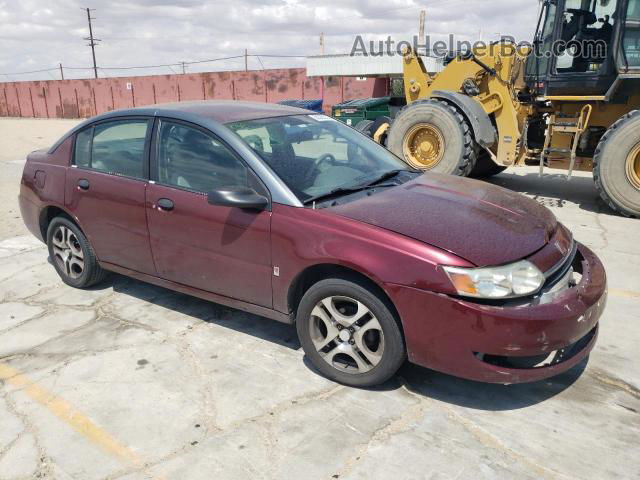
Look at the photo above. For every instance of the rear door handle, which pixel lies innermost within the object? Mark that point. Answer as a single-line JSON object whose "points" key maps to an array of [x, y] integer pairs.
{"points": [[165, 204], [83, 184]]}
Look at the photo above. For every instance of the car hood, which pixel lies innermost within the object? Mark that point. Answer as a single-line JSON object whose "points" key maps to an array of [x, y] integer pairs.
{"points": [[482, 223]]}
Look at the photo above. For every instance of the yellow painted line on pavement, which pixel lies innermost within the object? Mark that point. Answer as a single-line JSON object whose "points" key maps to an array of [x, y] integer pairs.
{"points": [[69, 415], [624, 293]]}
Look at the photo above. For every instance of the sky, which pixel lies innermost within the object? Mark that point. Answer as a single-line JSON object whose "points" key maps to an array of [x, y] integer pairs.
{"points": [[40, 34]]}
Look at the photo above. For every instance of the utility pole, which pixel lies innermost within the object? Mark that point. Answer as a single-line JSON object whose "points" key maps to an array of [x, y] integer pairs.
{"points": [[183, 70], [322, 43], [246, 61], [92, 41], [423, 14], [61, 72]]}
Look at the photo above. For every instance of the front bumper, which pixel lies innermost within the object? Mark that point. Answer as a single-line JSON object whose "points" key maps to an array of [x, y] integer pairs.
{"points": [[477, 341]]}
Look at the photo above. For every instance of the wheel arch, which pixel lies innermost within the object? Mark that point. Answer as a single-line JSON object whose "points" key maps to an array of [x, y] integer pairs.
{"points": [[483, 130], [48, 213], [315, 273]]}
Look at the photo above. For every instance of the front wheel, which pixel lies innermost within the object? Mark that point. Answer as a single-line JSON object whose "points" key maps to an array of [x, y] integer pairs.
{"points": [[485, 167], [616, 165], [349, 333], [432, 135]]}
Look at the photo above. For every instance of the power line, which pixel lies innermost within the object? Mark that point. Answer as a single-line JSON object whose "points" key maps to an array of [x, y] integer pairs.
{"points": [[278, 56], [163, 65], [215, 59], [32, 71], [177, 64]]}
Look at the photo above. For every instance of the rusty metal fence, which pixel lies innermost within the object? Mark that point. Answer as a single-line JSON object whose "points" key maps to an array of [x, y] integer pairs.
{"points": [[86, 98]]}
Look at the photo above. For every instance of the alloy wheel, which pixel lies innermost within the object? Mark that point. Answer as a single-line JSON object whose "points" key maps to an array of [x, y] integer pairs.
{"points": [[67, 252], [346, 334]]}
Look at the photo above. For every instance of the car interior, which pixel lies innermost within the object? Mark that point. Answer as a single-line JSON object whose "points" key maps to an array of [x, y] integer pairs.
{"points": [[122, 157], [191, 159], [594, 23], [289, 150], [118, 148]]}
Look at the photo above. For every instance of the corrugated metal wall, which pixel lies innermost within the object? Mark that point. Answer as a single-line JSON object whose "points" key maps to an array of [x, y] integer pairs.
{"points": [[86, 98]]}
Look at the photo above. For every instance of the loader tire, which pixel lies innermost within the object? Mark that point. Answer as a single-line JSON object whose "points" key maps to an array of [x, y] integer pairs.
{"points": [[485, 167], [616, 165], [364, 126], [433, 135]]}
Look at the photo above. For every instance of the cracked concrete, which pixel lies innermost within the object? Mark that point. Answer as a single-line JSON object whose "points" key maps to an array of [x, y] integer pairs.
{"points": [[131, 381]]}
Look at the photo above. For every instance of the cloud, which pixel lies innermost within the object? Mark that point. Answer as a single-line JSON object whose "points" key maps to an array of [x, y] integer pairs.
{"points": [[39, 34]]}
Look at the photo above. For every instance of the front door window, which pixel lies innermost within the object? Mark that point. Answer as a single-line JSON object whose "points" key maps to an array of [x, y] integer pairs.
{"points": [[194, 160]]}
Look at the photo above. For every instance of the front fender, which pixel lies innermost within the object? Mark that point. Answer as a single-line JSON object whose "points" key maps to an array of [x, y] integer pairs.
{"points": [[483, 130]]}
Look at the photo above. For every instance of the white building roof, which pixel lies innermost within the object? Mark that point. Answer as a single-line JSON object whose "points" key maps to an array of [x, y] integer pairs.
{"points": [[345, 65]]}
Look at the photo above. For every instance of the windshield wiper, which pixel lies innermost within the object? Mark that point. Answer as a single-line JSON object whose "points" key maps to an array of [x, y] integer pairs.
{"points": [[334, 192], [357, 188], [385, 176]]}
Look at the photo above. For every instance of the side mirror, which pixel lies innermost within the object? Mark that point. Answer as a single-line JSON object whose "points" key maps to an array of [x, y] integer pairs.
{"points": [[239, 197]]}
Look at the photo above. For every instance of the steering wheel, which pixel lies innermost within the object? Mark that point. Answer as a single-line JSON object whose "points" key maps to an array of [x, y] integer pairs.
{"points": [[255, 142], [309, 176], [325, 158]]}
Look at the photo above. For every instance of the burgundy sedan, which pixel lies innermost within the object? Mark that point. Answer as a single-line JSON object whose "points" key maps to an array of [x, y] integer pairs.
{"points": [[296, 217]]}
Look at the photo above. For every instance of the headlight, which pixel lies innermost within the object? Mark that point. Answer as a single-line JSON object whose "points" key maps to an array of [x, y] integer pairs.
{"points": [[508, 281]]}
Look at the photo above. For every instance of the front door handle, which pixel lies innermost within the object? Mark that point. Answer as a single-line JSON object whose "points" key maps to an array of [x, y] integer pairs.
{"points": [[83, 184], [165, 204]]}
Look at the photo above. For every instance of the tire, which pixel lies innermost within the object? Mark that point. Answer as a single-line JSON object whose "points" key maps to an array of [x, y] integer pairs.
{"points": [[376, 334], [615, 185], [377, 123], [485, 167], [364, 126], [66, 241], [458, 155]]}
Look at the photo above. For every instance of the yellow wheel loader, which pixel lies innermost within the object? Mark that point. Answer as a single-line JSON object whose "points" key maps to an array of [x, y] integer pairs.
{"points": [[568, 100]]}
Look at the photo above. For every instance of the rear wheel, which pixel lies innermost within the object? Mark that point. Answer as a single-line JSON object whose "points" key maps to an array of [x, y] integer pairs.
{"points": [[616, 165], [349, 333], [364, 126], [72, 255], [432, 135]]}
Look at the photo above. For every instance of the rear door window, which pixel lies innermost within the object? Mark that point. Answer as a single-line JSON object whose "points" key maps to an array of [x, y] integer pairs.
{"points": [[116, 147]]}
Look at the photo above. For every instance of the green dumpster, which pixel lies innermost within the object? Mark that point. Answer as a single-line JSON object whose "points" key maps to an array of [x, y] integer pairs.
{"points": [[353, 112]]}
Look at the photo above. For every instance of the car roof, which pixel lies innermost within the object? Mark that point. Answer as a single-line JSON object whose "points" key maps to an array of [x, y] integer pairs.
{"points": [[221, 111], [206, 113]]}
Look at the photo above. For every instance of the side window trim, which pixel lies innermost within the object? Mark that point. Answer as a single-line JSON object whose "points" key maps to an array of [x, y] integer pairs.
{"points": [[75, 145], [93, 132], [153, 157], [151, 123]]}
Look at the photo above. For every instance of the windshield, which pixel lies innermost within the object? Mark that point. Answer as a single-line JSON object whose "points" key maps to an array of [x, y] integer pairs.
{"points": [[316, 155]]}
